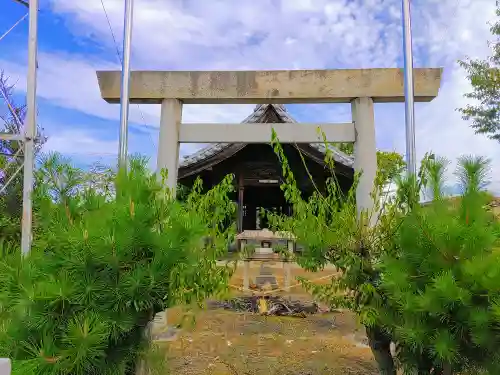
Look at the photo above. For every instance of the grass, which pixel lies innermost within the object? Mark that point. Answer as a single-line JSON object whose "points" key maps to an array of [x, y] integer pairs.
{"points": [[229, 343], [224, 342]]}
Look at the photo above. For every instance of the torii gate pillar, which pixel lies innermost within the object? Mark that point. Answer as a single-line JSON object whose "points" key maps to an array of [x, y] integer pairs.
{"points": [[365, 152], [168, 152]]}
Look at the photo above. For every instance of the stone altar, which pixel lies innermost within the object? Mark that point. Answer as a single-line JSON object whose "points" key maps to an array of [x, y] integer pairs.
{"points": [[265, 253]]}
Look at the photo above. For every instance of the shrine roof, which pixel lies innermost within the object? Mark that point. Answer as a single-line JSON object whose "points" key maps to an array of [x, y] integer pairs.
{"points": [[263, 113]]}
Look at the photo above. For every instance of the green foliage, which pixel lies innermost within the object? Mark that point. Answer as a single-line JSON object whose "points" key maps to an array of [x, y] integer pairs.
{"points": [[102, 265], [484, 76], [57, 179], [442, 278], [346, 148], [332, 232], [390, 164], [328, 228], [424, 277]]}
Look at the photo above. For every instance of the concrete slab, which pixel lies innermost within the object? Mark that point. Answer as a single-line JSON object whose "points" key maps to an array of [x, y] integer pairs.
{"points": [[276, 86]]}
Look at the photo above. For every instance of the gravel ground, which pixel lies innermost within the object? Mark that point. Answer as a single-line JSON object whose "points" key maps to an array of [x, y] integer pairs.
{"points": [[227, 342]]}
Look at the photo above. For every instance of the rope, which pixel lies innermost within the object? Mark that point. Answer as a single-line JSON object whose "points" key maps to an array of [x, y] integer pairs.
{"points": [[283, 289]]}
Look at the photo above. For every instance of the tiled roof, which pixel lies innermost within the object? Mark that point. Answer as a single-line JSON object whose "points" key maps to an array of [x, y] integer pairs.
{"points": [[259, 116]]}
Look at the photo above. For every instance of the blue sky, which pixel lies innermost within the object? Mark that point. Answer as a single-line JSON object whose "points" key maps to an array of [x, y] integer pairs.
{"points": [[75, 40]]}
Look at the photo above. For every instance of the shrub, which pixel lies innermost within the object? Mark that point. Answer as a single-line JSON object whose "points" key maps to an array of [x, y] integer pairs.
{"points": [[329, 229], [101, 268], [442, 278]]}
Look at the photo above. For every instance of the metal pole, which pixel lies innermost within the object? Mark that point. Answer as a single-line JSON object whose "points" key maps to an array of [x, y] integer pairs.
{"points": [[30, 128], [124, 98], [409, 106]]}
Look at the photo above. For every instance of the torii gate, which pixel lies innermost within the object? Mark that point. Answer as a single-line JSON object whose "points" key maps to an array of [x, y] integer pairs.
{"points": [[360, 87]]}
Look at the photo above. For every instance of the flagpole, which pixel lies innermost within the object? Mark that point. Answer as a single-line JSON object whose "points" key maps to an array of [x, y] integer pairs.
{"points": [[124, 95], [30, 129], [409, 90]]}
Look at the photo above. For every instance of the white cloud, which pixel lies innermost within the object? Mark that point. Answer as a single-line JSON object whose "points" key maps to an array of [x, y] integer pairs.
{"points": [[179, 34], [460, 29], [71, 82], [288, 34], [82, 144], [66, 80]]}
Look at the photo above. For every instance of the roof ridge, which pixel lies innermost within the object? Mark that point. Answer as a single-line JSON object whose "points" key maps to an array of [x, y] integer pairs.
{"points": [[273, 105]]}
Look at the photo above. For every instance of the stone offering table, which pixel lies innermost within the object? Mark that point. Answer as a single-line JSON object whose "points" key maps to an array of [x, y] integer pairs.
{"points": [[265, 253], [266, 238]]}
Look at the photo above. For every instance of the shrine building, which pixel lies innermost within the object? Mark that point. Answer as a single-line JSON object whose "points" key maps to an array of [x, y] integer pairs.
{"points": [[257, 169]]}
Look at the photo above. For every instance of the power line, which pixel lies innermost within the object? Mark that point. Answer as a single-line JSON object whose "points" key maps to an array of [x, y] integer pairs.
{"points": [[12, 28], [120, 59], [111, 30]]}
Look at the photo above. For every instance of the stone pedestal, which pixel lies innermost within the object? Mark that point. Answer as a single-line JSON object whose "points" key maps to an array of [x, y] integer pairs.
{"points": [[246, 275], [160, 319], [287, 269], [265, 254], [266, 276]]}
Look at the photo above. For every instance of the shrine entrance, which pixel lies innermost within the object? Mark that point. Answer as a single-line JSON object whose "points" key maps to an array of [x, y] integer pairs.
{"points": [[258, 172], [258, 198]]}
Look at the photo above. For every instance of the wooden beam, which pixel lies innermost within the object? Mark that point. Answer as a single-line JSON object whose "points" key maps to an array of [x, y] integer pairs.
{"points": [[274, 86], [262, 133]]}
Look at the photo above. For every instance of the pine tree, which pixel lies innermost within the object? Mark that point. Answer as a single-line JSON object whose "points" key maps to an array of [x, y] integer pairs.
{"points": [[441, 278], [101, 267]]}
